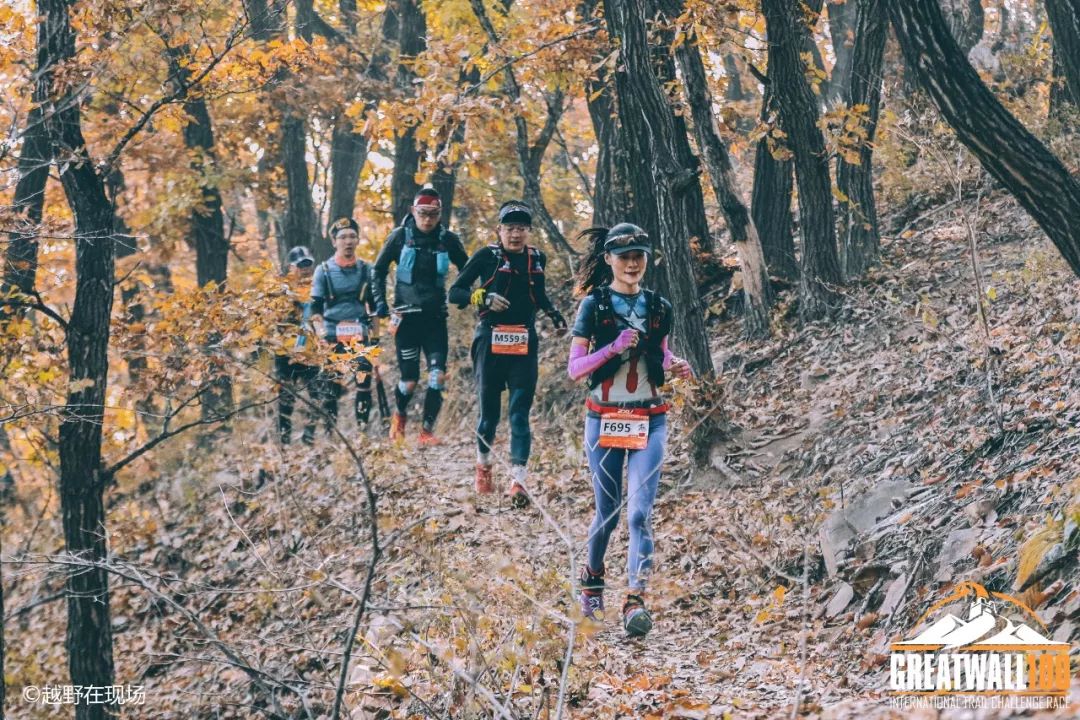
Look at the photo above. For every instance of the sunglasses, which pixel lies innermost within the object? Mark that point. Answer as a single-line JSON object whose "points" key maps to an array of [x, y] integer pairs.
{"points": [[305, 263], [624, 240]]}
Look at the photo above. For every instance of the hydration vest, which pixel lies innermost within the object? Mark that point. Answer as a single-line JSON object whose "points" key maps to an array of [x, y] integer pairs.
{"points": [[364, 282], [606, 329], [407, 258], [499, 281]]}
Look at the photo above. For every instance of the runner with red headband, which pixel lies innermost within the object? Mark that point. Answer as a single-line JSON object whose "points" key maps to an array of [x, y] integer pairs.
{"points": [[620, 343], [423, 249]]}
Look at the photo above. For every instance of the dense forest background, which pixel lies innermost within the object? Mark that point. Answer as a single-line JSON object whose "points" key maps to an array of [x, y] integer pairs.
{"points": [[868, 217]]}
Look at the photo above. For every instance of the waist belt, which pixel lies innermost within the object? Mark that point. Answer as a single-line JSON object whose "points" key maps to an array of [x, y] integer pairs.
{"points": [[634, 408]]}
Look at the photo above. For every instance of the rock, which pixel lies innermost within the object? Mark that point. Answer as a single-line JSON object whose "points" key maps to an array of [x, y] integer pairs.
{"points": [[958, 545], [840, 600], [857, 517], [893, 595]]}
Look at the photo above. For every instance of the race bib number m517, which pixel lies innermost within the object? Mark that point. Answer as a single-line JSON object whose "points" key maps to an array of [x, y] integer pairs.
{"points": [[624, 430], [510, 340], [350, 332]]}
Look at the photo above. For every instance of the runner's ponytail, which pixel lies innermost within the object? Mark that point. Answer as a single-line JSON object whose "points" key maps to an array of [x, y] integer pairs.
{"points": [[593, 272]]}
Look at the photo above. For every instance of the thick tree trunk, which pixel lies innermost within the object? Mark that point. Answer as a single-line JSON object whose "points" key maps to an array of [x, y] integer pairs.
{"points": [[756, 287], [860, 242], [1062, 106], [611, 191], [1064, 17], [693, 199], [820, 278], [403, 185], [1041, 184], [649, 122], [965, 20], [89, 630], [301, 224], [842, 37], [770, 200], [20, 256], [348, 146]]}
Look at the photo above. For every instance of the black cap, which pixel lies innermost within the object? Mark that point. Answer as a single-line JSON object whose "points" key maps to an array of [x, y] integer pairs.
{"points": [[625, 237], [515, 211], [343, 223], [301, 257]]}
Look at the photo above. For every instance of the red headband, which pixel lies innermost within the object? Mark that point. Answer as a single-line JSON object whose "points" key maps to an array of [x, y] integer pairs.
{"points": [[427, 200]]}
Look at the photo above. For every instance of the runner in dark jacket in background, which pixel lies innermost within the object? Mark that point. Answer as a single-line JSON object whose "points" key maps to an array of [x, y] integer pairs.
{"points": [[293, 376], [423, 250], [504, 348]]}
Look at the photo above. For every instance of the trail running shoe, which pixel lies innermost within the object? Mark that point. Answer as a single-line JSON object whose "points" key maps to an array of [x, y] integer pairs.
{"points": [[592, 594], [397, 428], [519, 498], [636, 619], [427, 439], [484, 485]]}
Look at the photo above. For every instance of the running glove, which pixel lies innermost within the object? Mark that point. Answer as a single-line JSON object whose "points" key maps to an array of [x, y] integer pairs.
{"points": [[557, 319]]}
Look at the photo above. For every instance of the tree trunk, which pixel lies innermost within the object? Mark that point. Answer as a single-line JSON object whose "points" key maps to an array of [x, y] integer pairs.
{"points": [[403, 185], [611, 192], [349, 147], [1062, 106], [302, 226], [820, 278], [756, 287], [444, 177], [770, 199], [860, 242], [1003, 145], [733, 91], [693, 198], [20, 257], [207, 222], [841, 35], [1064, 17], [966, 20], [89, 630], [649, 122]]}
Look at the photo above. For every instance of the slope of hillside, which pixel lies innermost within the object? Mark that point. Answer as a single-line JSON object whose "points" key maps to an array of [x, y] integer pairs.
{"points": [[869, 465]]}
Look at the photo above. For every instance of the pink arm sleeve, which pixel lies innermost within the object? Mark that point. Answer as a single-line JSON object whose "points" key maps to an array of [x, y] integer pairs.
{"points": [[582, 363], [669, 357]]}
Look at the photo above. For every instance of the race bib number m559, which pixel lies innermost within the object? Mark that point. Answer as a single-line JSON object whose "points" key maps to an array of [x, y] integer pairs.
{"points": [[510, 340], [624, 430]]}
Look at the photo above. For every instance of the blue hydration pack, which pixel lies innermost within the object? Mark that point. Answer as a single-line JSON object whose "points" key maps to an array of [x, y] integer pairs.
{"points": [[407, 259]]}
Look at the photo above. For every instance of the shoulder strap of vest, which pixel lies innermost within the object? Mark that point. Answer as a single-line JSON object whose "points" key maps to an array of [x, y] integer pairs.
{"points": [[602, 304], [329, 282]]}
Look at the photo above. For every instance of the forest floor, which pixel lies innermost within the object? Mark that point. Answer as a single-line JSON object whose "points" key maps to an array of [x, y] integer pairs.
{"points": [[868, 465]]}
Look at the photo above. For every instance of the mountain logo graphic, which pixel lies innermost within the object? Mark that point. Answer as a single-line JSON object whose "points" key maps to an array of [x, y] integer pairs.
{"points": [[989, 644]]}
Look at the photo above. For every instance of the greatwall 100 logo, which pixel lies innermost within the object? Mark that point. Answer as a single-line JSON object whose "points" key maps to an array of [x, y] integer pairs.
{"points": [[994, 653]]}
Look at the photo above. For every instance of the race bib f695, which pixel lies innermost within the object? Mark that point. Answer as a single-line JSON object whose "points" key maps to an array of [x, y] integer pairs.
{"points": [[624, 430]]}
